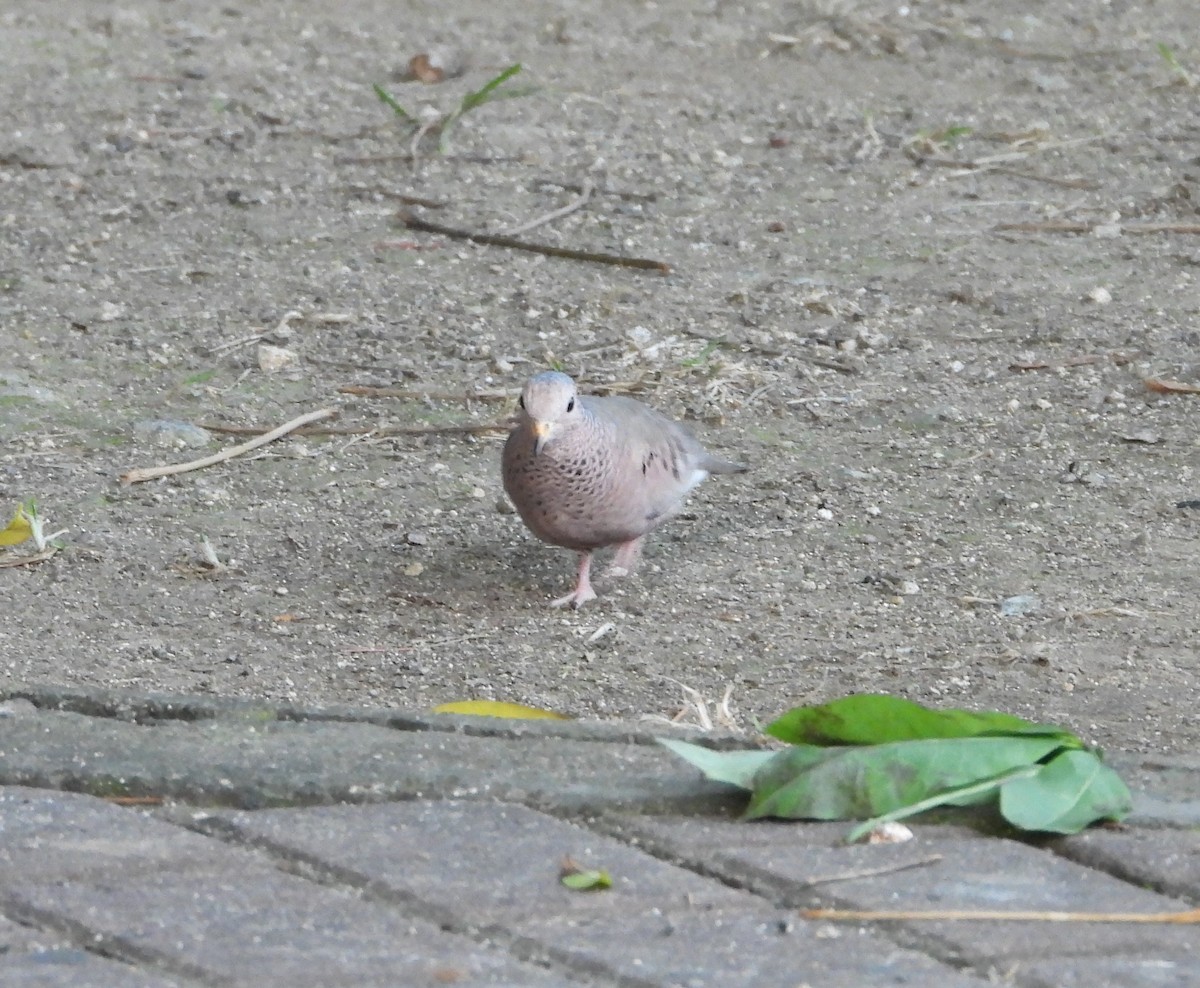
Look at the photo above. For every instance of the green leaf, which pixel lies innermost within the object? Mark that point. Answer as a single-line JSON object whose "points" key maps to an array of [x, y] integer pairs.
{"points": [[814, 783], [738, 768], [874, 718], [968, 795], [1067, 794], [588, 881]]}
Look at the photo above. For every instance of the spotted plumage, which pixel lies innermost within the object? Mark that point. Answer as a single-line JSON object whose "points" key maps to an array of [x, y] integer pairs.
{"points": [[587, 472]]}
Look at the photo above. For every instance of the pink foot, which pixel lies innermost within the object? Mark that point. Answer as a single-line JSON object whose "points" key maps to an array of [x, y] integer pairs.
{"points": [[626, 559], [583, 591]]}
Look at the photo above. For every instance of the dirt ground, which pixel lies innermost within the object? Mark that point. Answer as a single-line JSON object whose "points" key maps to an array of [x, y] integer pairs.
{"points": [[923, 258]]}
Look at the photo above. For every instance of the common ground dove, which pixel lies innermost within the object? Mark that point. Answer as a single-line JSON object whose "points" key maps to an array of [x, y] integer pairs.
{"points": [[587, 472]]}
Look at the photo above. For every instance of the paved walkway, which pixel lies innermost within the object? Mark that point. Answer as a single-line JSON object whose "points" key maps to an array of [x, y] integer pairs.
{"points": [[346, 847]]}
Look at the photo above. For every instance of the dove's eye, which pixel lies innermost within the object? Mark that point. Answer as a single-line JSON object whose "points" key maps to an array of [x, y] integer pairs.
{"points": [[521, 401], [571, 405]]}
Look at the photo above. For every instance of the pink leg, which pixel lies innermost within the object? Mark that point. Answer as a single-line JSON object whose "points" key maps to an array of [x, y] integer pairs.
{"points": [[583, 591], [626, 559]]}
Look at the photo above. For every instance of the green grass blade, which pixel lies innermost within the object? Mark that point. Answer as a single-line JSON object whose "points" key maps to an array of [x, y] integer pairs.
{"points": [[390, 100], [488, 92]]}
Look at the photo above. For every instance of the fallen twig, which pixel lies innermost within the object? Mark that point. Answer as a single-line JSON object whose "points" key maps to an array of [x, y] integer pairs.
{"points": [[416, 394], [1000, 916], [387, 159], [414, 222], [374, 431], [577, 203], [1070, 226], [1079, 361], [151, 473], [848, 876], [7, 562]]}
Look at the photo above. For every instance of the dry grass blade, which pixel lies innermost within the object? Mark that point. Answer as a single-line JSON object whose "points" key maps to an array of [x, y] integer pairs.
{"points": [[578, 203], [1159, 386]]}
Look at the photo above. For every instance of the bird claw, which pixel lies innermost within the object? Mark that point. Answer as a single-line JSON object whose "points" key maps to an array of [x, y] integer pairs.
{"points": [[576, 598]]}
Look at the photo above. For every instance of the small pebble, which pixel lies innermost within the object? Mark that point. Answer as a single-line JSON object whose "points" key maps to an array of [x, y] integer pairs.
{"points": [[170, 432], [893, 832], [275, 358], [1020, 605]]}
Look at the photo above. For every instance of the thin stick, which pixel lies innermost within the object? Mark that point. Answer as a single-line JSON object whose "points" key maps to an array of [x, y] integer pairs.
{"points": [[414, 222], [998, 915], [398, 430], [873, 872], [387, 159], [578, 203], [1049, 226], [1078, 361], [366, 391], [152, 473], [1068, 226]]}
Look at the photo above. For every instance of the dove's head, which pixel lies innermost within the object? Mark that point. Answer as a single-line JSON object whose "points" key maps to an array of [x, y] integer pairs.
{"points": [[551, 405]]}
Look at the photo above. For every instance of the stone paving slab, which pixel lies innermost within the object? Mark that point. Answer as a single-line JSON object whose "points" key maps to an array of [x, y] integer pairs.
{"points": [[418, 850], [1156, 858], [229, 918], [1121, 972], [264, 762], [497, 866], [76, 968], [144, 707], [34, 958], [941, 869]]}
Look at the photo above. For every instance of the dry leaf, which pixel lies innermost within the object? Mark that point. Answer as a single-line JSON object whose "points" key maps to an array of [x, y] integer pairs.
{"points": [[423, 68], [1159, 386], [497, 708], [17, 530]]}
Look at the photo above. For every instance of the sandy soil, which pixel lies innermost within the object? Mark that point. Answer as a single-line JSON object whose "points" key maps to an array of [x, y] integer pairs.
{"points": [[924, 258]]}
